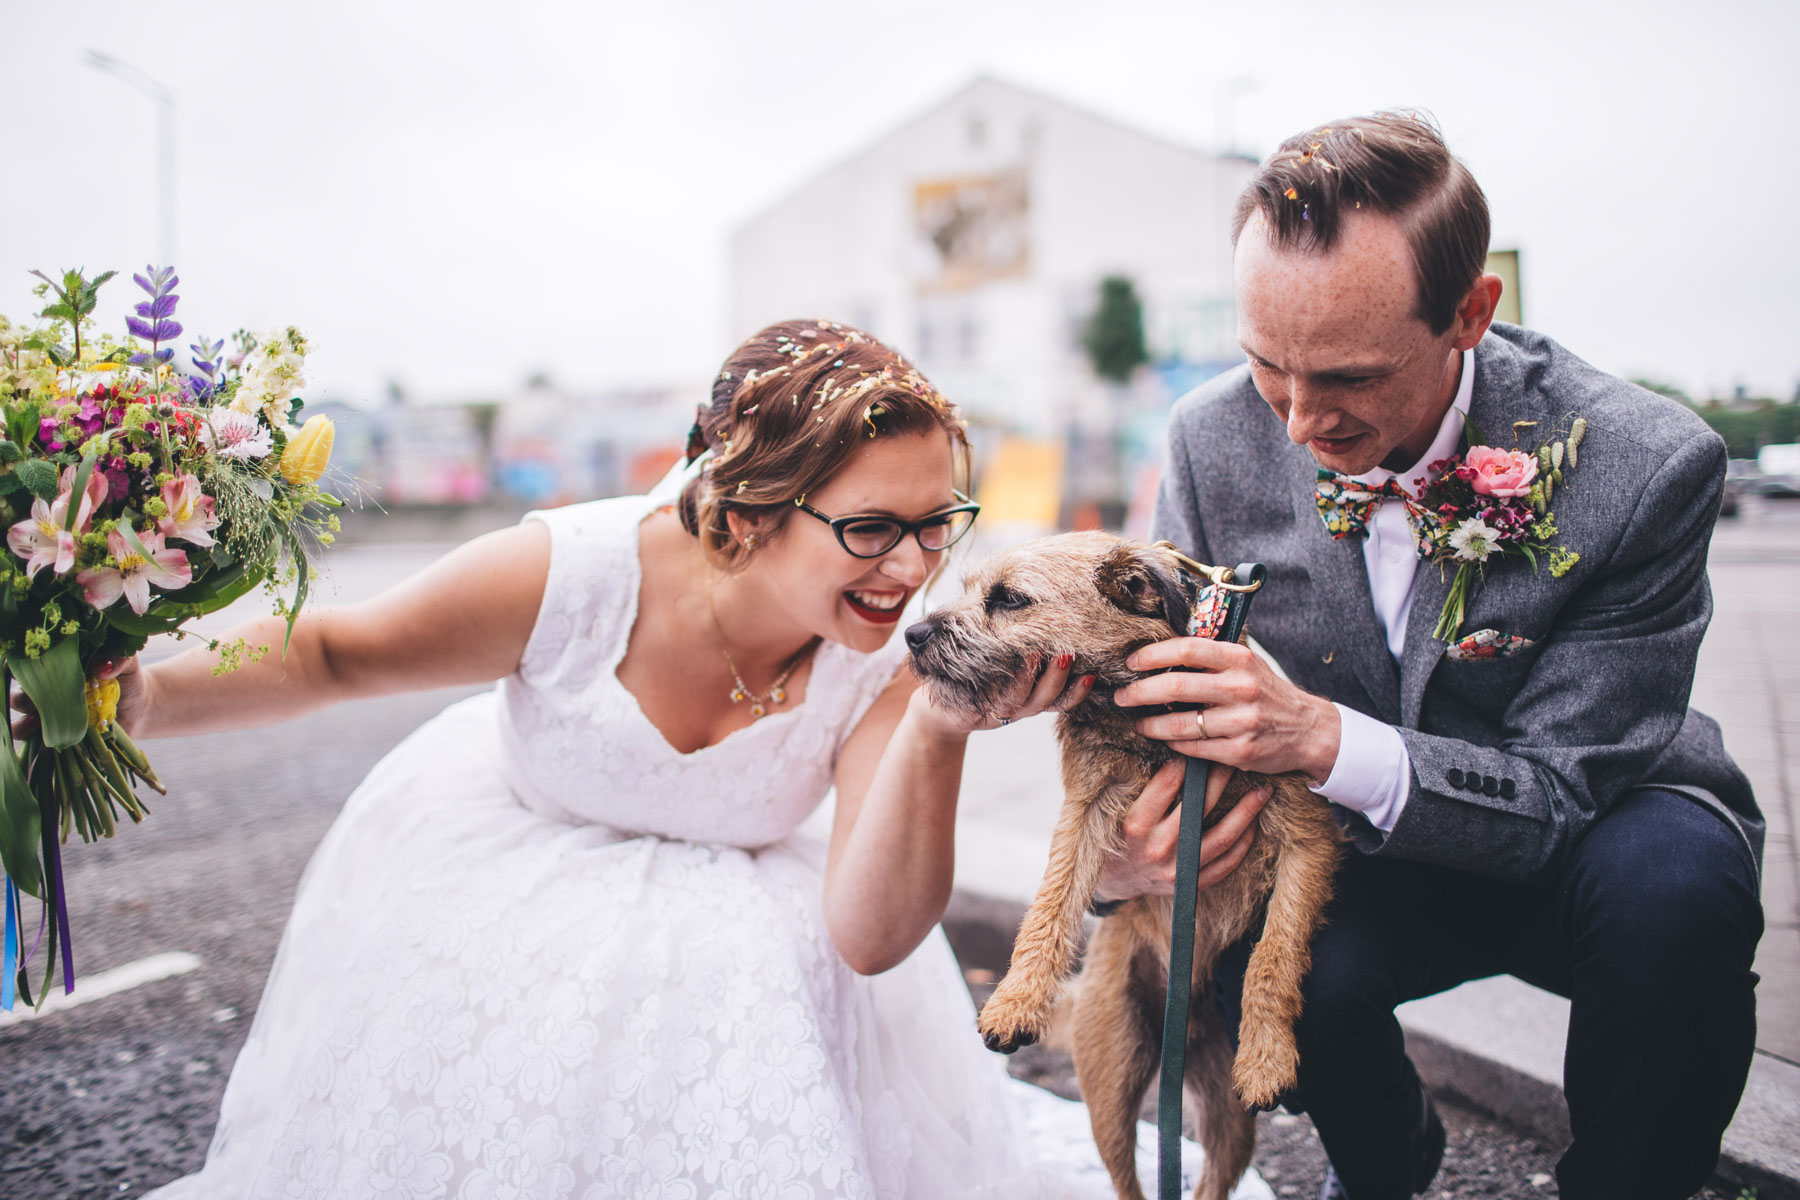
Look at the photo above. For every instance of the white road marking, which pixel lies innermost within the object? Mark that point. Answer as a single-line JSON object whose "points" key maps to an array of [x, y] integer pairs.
{"points": [[106, 983]]}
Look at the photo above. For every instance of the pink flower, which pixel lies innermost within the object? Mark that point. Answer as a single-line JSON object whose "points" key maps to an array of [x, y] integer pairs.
{"points": [[41, 539], [96, 491], [1501, 473], [142, 561], [190, 512], [235, 435]]}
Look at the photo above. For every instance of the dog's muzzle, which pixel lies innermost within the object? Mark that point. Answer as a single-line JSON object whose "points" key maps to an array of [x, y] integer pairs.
{"points": [[920, 633]]}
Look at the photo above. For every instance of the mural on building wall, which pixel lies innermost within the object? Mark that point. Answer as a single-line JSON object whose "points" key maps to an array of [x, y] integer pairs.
{"points": [[971, 230]]}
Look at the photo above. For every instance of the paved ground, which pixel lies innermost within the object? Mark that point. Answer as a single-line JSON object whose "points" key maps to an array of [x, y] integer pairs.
{"points": [[1750, 681], [121, 1094]]}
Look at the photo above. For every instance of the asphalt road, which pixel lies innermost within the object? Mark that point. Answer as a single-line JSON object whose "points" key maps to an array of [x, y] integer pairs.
{"points": [[116, 1096], [121, 1094]]}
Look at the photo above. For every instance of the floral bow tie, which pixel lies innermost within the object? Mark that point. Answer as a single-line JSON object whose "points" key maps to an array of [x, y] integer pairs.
{"points": [[1345, 505]]}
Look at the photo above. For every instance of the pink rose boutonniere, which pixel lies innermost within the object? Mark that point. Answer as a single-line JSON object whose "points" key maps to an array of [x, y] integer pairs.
{"points": [[1493, 502], [1503, 474]]}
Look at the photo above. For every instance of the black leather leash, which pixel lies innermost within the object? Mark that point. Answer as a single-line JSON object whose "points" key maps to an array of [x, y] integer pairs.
{"points": [[1238, 586]]}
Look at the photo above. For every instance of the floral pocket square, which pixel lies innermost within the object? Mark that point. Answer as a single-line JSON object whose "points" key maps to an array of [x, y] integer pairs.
{"points": [[1486, 643]]}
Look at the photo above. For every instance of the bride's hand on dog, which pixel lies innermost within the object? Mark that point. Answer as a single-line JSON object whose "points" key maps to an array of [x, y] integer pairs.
{"points": [[1252, 719], [1145, 866], [1034, 693]]}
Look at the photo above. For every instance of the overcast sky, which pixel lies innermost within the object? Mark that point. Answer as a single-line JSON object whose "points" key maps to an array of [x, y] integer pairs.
{"points": [[454, 194]]}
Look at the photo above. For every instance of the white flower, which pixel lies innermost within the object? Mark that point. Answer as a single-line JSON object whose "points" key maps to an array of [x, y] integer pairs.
{"points": [[273, 374], [231, 433], [1473, 540]]}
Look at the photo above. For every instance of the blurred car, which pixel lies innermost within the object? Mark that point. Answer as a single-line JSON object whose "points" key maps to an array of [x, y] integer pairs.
{"points": [[1742, 479], [1779, 469]]}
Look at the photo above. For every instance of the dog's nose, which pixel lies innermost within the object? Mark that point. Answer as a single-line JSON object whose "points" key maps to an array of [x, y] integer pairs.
{"points": [[917, 635]]}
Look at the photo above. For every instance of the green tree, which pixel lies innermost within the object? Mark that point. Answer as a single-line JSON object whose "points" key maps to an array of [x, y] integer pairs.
{"points": [[1114, 337], [1747, 430], [1665, 389]]}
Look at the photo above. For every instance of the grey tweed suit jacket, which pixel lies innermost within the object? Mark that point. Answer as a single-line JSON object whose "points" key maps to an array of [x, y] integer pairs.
{"points": [[1596, 705]]}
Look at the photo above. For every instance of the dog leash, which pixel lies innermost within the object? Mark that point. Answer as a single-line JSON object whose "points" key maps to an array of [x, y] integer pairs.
{"points": [[1232, 589]]}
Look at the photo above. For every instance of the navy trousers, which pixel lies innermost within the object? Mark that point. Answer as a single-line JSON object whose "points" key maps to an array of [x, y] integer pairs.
{"points": [[1649, 930]]}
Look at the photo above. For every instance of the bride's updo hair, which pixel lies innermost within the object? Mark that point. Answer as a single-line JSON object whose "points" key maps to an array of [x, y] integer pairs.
{"points": [[788, 409]]}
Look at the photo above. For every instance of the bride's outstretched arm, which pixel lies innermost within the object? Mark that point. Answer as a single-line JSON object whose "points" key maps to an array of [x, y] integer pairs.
{"points": [[464, 619], [893, 860]]}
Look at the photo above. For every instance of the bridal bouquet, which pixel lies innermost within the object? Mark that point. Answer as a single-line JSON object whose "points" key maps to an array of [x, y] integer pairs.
{"points": [[136, 494]]}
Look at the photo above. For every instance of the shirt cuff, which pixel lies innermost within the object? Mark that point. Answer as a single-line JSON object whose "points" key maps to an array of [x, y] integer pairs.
{"points": [[1373, 772]]}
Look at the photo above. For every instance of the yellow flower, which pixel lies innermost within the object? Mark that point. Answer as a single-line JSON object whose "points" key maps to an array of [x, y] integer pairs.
{"points": [[102, 702], [308, 451]]}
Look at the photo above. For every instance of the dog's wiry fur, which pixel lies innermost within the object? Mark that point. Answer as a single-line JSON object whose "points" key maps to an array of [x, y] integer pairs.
{"points": [[1100, 598]]}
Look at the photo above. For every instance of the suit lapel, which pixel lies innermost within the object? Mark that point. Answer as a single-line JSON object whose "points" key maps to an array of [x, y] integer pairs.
{"points": [[1420, 655], [1351, 629], [1493, 406]]}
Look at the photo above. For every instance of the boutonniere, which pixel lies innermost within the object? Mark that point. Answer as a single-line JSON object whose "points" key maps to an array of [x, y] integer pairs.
{"points": [[1488, 503]]}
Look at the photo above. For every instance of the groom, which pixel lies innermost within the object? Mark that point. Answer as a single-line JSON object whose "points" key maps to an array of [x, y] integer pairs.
{"points": [[1556, 812]]}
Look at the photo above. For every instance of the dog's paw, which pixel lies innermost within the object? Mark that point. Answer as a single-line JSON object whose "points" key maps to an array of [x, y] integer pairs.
{"points": [[1266, 1068], [1008, 1022]]}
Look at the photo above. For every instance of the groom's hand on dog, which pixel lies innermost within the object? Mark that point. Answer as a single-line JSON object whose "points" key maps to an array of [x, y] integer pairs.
{"points": [[1254, 719], [1145, 866]]}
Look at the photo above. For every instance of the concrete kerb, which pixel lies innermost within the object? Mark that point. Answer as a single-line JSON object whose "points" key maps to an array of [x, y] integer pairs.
{"points": [[1495, 1045]]}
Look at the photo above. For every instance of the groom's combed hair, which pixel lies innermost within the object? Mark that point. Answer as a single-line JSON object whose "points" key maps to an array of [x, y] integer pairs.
{"points": [[1392, 163], [788, 410]]}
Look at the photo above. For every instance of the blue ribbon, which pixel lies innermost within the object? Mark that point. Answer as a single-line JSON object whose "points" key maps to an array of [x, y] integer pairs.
{"points": [[10, 963]]}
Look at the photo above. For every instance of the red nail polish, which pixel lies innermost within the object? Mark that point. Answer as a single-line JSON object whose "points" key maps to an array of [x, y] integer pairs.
{"points": [[1063, 661], [1087, 681]]}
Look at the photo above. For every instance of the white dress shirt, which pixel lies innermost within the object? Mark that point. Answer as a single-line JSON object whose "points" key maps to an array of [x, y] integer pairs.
{"points": [[1373, 773]]}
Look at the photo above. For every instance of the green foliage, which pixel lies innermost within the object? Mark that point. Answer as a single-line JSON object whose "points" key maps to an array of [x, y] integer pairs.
{"points": [[20, 825], [1114, 337], [1665, 389], [22, 420], [1746, 426], [40, 477], [55, 683], [76, 296], [1748, 430]]}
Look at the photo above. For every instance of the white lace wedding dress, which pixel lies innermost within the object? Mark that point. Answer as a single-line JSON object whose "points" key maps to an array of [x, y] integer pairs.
{"points": [[541, 954]]}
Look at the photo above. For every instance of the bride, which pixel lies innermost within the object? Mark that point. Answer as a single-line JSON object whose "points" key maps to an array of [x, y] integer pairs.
{"points": [[564, 940]]}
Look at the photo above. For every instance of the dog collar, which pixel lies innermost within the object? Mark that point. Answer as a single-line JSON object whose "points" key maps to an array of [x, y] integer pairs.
{"points": [[1208, 606]]}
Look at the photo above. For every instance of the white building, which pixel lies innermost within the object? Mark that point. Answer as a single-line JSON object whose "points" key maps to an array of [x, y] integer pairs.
{"points": [[975, 237]]}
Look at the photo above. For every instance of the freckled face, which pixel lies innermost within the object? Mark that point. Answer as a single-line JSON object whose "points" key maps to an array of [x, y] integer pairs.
{"points": [[1337, 347], [857, 602]]}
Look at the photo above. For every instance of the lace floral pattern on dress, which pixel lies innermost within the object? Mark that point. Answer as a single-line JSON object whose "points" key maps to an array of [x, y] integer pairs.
{"points": [[543, 956]]}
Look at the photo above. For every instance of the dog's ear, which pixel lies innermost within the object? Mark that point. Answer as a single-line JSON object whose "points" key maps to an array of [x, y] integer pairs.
{"points": [[1140, 582]]}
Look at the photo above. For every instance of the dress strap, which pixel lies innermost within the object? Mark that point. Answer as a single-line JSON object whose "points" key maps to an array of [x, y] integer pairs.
{"points": [[590, 595]]}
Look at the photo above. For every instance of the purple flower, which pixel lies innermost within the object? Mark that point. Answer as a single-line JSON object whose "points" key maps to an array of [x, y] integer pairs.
{"points": [[152, 322], [206, 356]]}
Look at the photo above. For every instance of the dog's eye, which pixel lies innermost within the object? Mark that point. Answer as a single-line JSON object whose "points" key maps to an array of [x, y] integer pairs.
{"points": [[1003, 599]]}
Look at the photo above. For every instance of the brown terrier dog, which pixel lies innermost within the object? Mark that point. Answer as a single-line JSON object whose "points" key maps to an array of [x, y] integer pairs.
{"points": [[1099, 598]]}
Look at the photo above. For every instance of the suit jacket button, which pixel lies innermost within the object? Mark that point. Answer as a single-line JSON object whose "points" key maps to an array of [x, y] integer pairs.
{"points": [[1472, 780], [1508, 788], [1490, 786], [1455, 777]]}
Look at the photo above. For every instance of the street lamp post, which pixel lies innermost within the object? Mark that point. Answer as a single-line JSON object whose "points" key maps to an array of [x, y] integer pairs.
{"points": [[165, 100]]}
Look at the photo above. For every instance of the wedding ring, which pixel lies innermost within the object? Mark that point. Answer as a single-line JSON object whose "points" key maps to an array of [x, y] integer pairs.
{"points": [[1200, 722]]}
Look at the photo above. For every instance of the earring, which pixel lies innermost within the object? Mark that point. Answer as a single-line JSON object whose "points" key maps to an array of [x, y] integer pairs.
{"points": [[750, 542]]}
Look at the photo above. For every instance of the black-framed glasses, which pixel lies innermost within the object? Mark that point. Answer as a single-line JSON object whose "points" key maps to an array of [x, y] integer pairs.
{"points": [[872, 536]]}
